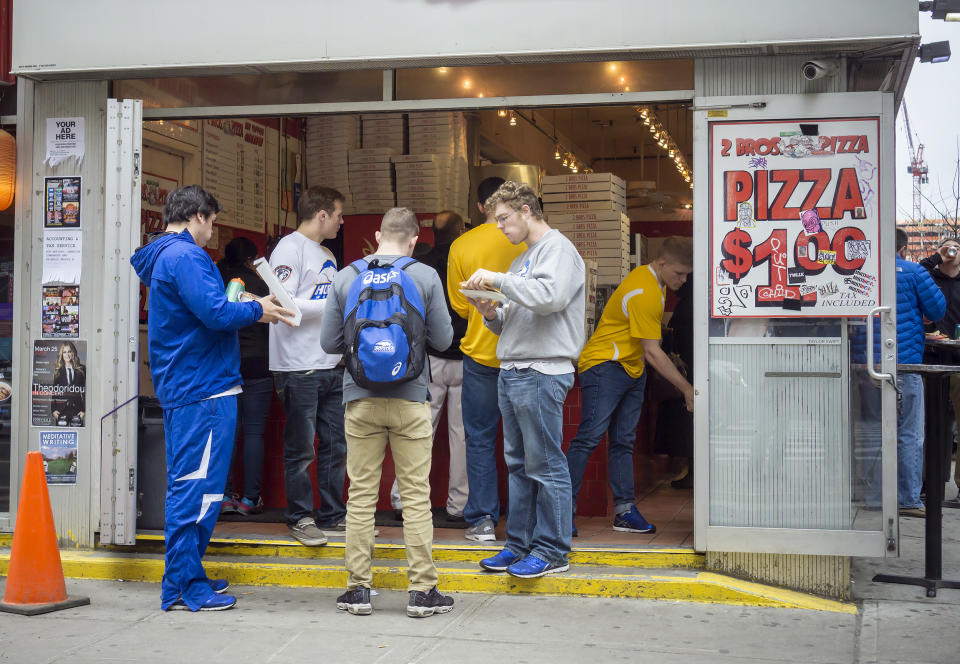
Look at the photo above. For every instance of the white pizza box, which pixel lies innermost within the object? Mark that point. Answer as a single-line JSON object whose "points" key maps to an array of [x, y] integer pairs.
{"points": [[374, 199], [583, 206], [391, 143], [332, 158], [585, 177], [597, 243], [416, 178], [451, 136], [314, 146], [609, 216], [422, 205], [276, 288], [372, 179], [433, 187], [442, 148], [371, 167], [382, 116], [605, 225], [571, 196], [421, 169], [432, 116], [327, 172], [383, 132], [368, 158], [598, 254], [560, 187], [334, 136], [365, 151], [393, 124], [597, 235], [377, 191], [449, 124], [417, 157]]}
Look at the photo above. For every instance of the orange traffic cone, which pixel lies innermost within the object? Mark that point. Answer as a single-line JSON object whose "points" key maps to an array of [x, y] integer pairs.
{"points": [[35, 576]]}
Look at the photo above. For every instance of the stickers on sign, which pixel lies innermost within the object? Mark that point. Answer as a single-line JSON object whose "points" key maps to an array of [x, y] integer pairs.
{"points": [[745, 216], [826, 257], [796, 275], [856, 249], [811, 221]]}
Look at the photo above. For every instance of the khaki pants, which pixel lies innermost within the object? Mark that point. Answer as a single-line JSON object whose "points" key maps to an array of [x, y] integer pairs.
{"points": [[369, 423]]}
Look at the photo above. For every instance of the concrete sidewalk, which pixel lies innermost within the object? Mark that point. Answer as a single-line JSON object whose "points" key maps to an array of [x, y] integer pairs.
{"points": [[124, 624]]}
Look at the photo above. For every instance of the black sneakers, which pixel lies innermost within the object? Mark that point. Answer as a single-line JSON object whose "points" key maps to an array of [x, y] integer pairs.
{"points": [[356, 601], [426, 604]]}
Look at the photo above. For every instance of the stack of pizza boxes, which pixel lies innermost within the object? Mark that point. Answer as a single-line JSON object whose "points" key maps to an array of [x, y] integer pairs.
{"points": [[434, 175], [590, 209], [371, 173], [328, 142]]}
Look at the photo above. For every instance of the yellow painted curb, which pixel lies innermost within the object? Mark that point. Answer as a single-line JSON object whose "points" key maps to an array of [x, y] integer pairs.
{"points": [[6, 539], [677, 558], [789, 598], [702, 587]]}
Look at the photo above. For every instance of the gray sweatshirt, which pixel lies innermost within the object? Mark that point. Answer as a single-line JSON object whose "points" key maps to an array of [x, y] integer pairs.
{"points": [[542, 324], [439, 330]]}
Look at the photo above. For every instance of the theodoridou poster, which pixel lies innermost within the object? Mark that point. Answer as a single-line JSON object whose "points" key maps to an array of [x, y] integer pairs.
{"points": [[794, 217], [59, 389]]}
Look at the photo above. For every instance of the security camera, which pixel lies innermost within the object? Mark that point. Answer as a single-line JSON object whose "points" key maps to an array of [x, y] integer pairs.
{"points": [[814, 69]]}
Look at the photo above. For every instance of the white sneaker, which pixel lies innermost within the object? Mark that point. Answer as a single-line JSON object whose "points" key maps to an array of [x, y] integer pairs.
{"points": [[482, 531]]}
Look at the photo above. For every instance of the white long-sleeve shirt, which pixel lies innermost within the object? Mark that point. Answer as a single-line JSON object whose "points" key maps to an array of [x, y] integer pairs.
{"points": [[305, 269]]}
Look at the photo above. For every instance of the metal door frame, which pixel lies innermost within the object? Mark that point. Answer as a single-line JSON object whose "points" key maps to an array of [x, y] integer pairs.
{"points": [[883, 542]]}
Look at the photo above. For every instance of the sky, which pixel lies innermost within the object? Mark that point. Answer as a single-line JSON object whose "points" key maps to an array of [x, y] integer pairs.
{"points": [[933, 102]]}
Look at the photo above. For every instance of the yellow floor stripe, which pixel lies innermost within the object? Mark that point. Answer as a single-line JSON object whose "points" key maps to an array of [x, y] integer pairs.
{"points": [[700, 587], [275, 548]]}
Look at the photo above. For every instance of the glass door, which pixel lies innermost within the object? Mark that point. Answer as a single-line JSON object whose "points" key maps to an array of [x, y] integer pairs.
{"points": [[796, 431]]}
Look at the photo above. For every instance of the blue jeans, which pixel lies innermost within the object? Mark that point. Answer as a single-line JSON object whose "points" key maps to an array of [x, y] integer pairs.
{"points": [[313, 403], [611, 402], [481, 413], [199, 440], [910, 441], [252, 411], [540, 508]]}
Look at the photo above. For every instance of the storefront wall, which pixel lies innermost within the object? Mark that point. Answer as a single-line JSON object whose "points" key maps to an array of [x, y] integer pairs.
{"points": [[39, 51]]}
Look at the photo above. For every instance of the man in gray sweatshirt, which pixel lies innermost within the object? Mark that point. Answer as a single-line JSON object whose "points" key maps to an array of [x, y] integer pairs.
{"points": [[400, 413], [541, 335]]}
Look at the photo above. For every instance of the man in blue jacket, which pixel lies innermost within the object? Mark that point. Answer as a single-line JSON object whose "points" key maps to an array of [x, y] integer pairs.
{"points": [[917, 297], [194, 362]]}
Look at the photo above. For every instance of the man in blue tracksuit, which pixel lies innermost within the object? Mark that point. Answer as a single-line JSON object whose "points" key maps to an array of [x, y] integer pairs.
{"points": [[917, 297], [194, 362]]}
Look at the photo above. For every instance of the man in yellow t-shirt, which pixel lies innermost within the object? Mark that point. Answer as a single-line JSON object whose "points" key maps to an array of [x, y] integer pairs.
{"points": [[612, 375], [488, 248]]}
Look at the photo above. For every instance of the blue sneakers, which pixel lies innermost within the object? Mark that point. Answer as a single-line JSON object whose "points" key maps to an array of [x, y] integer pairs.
{"points": [[219, 585], [215, 603], [499, 562], [632, 522], [531, 567]]}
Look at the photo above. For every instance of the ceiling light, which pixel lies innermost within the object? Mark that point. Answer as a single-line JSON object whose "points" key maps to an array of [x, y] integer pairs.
{"points": [[556, 152], [442, 70], [502, 112], [623, 79], [513, 119], [626, 89], [687, 206], [573, 168], [565, 161], [612, 66], [467, 83], [480, 94]]}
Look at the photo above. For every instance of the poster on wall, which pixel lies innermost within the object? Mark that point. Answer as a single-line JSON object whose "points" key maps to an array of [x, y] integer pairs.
{"points": [[794, 217], [59, 452], [153, 196], [60, 311], [59, 386], [62, 256], [61, 202], [64, 140]]}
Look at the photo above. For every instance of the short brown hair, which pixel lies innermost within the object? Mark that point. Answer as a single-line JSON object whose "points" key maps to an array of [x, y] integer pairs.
{"points": [[676, 249], [450, 230], [399, 225], [315, 199], [515, 195]]}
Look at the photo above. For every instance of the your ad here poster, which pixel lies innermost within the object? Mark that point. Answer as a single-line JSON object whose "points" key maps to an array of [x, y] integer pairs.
{"points": [[794, 217]]}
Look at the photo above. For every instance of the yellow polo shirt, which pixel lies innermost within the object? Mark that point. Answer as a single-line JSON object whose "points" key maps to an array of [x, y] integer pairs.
{"points": [[482, 247], [633, 313]]}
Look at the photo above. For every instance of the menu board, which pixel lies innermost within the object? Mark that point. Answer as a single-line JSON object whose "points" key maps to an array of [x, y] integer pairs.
{"points": [[234, 171], [794, 217]]}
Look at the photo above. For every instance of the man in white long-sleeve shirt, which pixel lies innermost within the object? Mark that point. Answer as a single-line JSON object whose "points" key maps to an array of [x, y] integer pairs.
{"points": [[307, 379]]}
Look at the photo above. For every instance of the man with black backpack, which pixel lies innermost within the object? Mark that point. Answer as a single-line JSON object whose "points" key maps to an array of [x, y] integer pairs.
{"points": [[382, 312]]}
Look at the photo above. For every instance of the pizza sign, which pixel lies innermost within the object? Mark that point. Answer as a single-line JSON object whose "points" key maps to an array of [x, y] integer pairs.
{"points": [[794, 218]]}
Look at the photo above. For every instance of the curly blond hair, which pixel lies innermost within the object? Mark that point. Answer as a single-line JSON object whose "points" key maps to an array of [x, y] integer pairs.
{"points": [[515, 195]]}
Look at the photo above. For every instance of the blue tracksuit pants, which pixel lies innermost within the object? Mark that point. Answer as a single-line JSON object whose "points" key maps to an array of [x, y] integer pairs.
{"points": [[199, 439]]}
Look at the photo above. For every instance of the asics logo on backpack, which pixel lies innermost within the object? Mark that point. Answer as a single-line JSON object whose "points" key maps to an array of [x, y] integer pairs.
{"points": [[374, 278], [396, 368]]}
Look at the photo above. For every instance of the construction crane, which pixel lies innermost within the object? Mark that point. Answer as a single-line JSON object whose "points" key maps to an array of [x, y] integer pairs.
{"points": [[918, 171]]}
